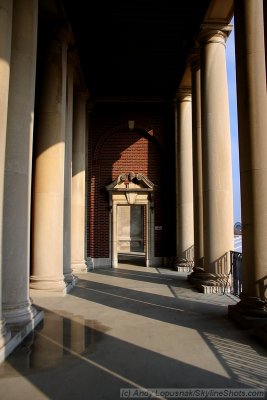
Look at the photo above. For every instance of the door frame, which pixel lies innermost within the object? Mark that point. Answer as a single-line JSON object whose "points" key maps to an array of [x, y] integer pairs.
{"points": [[131, 189], [144, 200]]}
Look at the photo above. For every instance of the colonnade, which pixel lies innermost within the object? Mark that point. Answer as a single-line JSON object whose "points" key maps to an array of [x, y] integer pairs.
{"points": [[210, 197], [211, 230], [40, 190], [43, 192]]}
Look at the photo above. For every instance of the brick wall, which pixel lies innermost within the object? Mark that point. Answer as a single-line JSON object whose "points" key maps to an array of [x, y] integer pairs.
{"points": [[113, 150]]}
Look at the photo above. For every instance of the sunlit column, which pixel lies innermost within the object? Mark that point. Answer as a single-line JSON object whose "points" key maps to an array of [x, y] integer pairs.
{"points": [[6, 7], [18, 166], [184, 181], [78, 204], [265, 32], [216, 156], [48, 214], [69, 278], [252, 123]]}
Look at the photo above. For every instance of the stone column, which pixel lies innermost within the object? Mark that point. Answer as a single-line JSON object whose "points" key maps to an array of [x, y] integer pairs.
{"points": [[197, 164], [265, 33], [78, 205], [6, 9], [185, 231], [48, 213], [216, 156], [252, 121], [18, 166], [69, 278]]}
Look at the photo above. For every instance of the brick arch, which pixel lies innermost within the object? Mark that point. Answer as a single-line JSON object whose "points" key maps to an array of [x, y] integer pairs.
{"points": [[128, 151], [144, 131]]}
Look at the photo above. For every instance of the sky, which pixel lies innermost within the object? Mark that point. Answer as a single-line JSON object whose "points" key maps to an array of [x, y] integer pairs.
{"points": [[230, 62]]}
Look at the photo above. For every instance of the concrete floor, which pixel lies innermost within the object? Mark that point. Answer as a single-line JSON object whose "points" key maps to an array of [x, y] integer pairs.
{"points": [[133, 327]]}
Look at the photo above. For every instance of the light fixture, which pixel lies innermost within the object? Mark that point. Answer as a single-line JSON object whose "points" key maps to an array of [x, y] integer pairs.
{"points": [[131, 125]]}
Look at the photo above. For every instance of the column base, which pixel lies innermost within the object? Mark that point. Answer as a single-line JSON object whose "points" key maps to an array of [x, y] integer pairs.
{"points": [[210, 283], [249, 312], [48, 283], [196, 274], [18, 334], [182, 265], [17, 314], [261, 334], [70, 279], [79, 267], [5, 335], [211, 289], [246, 321], [90, 264]]}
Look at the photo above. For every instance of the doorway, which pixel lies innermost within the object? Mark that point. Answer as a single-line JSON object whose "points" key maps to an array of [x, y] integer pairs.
{"points": [[131, 219], [131, 234]]}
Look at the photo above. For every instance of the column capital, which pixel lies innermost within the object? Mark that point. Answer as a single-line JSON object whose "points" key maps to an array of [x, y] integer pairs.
{"points": [[214, 33], [90, 107], [183, 95], [73, 57], [194, 58], [63, 33], [81, 93]]}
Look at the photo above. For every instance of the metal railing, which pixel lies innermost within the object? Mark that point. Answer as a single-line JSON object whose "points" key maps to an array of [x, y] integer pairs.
{"points": [[236, 272]]}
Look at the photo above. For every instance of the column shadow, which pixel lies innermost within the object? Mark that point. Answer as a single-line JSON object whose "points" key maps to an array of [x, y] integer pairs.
{"points": [[80, 359]]}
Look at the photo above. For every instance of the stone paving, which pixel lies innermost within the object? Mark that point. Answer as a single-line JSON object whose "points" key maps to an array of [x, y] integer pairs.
{"points": [[133, 327]]}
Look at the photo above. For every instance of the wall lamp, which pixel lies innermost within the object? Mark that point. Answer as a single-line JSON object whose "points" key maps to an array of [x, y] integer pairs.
{"points": [[131, 125]]}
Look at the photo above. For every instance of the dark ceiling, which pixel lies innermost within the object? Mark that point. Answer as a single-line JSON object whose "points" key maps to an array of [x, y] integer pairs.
{"points": [[134, 47]]}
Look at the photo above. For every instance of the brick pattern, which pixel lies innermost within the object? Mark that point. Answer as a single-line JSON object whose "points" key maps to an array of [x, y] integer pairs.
{"points": [[113, 150]]}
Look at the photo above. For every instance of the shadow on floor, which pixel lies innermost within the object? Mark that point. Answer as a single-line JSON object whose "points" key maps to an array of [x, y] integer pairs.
{"points": [[145, 276], [68, 358], [71, 356]]}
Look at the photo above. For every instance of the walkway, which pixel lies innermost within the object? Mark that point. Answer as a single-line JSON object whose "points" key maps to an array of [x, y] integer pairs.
{"points": [[130, 328]]}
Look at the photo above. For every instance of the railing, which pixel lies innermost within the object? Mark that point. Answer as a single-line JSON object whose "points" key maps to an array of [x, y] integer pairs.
{"points": [[236, 272]]}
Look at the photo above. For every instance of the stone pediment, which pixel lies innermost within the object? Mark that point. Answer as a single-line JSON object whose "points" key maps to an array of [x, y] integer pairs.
{"points": [[131, 182]]}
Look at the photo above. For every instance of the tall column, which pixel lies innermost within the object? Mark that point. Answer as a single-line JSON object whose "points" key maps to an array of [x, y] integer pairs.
{"points": [[185, 231], [78, 205], [197, 164], [48, 214], [69, 278], [6, 8], [216, 156], [265, 33], [252, 121], [18, 166]]}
